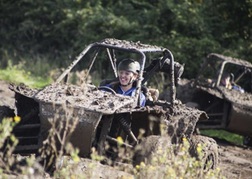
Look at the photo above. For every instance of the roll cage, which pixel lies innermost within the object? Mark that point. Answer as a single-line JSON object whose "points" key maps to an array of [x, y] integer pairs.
{"points": [[216, 66], [137, 48]]}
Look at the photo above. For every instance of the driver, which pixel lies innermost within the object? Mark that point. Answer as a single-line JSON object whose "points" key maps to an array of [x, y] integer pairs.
{"points": [[228, 82], [128, 70]]}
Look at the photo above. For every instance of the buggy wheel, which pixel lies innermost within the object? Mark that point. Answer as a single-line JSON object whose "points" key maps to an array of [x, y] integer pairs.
{"points": [[209, 153], [247, 140], [6, 111], [150, 147]]}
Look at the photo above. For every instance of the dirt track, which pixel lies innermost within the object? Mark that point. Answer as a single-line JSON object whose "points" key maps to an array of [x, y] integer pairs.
{"points": [[235, 161]]}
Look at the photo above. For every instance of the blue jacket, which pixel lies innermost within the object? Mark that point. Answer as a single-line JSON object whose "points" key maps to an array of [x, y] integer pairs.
{"points": [[130, 92]]}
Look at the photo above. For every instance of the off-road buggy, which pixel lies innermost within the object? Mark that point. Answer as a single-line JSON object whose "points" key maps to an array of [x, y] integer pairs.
{"points": [[102, 114], [228, 107]]}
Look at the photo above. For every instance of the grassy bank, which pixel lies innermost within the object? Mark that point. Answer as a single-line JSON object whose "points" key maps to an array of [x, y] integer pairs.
{"points": [[16, 74], [221, 134]]}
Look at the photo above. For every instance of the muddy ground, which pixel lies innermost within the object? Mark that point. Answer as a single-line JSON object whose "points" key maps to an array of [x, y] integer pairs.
{"points": [[235, 161]]}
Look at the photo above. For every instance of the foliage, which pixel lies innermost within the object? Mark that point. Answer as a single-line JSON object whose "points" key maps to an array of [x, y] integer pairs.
{"points": [[172, 162], [176, 162], [7, 141], [56, 144], [58, 30]]}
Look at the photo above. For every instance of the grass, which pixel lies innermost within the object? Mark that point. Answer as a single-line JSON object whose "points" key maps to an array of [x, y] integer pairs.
{"points": [[16, 74], [222, 134]]}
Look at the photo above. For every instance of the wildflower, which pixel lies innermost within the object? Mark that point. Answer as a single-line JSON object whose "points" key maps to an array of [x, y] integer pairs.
{"points": [[137, 167], [13, 138], [218, 169], [142, 164], [76, 158], [199, 148], [17, 119], [119, 140], [73, 177]]}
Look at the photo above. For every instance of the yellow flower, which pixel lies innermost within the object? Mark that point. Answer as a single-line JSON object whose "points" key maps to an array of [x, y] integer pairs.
{"points": [[17, 119], [13, 138], [142, 164], [119, 140], [184, 139], [73, 177], [218, 169], [199, 148], [76, 158]]}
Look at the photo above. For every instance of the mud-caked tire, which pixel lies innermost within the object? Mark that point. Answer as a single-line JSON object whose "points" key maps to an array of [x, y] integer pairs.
{"points": [[247, 141], [5, 112], [204, 149], [150, 147]]}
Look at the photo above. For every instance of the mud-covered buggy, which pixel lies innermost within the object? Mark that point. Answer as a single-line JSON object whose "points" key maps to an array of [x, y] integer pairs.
{"points": [[223, 89], [103, 115]]}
